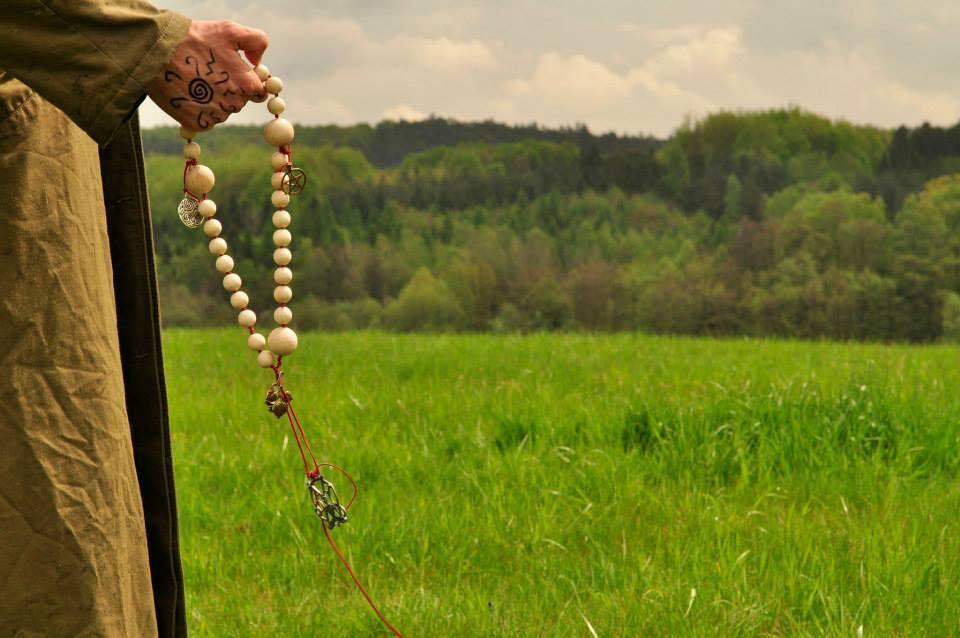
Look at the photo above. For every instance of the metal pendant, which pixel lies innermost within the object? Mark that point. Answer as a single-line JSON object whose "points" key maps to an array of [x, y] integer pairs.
{"points": [[294, 180], [189, 211], [326, 503], [276, 404]]}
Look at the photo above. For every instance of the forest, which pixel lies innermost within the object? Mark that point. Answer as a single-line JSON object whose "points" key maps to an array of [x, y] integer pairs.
{"points": [[774, 223]]}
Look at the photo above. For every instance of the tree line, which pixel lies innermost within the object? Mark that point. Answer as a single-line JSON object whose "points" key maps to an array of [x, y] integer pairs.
{"points": [[773, 223]]}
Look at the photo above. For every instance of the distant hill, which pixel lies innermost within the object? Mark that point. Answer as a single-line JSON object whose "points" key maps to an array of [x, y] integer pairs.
{"points": [[780, 222], [386, 144]]}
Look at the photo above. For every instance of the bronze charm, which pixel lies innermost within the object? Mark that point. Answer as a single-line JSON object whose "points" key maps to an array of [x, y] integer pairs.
{"points": [[294, 180]]}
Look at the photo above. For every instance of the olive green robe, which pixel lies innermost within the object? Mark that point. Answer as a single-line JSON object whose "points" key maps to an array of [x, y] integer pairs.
{"points": [[88, 527]]}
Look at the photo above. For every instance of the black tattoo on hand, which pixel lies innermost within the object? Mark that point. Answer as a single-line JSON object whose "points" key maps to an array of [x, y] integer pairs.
{"points": [[200, 91]]}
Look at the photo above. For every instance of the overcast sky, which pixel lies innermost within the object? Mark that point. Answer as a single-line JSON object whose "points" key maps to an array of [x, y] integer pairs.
{"points": [[635, 66]]}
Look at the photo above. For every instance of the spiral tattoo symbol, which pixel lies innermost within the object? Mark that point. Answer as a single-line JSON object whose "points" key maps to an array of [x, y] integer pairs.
{"points": [[200, 92]]}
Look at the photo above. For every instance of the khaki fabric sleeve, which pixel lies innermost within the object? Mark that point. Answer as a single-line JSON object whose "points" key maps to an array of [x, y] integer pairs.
{"points": [[93, 59]]}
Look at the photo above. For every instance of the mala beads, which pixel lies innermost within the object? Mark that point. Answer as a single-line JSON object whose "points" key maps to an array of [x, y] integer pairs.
{"points": [[196, 210]]}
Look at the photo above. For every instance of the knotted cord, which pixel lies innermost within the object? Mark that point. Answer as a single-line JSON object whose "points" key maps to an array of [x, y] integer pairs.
{"points": [[311, 468], [193, 210]]}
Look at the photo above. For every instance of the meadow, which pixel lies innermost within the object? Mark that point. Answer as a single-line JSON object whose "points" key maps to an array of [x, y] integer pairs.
{"points": [[573, 485]]}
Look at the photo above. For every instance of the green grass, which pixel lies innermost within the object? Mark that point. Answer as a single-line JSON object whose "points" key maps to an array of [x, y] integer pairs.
{"points": [[528, 486]]}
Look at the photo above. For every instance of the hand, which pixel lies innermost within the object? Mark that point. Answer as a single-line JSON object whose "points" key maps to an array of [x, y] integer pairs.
{"points": [[206, 80]]}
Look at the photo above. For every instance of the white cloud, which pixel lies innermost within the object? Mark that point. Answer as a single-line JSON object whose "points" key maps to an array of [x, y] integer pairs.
{"points": [[706, 50], [636, 66], [572, 79], [452, 56], [403, 113]]}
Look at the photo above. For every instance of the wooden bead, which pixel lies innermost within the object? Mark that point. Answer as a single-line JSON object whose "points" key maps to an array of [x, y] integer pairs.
{"points": [[239, 300], [262, 72], [282, 256], [191, 150], [283, 315], [273, 85], [256, 341], [231, 282], [280, 199], [282, 237], [247, 318], [188, 133], [281, 219], [265, 359], [276, 105], [282, 341], [200, 179], [279, 160], [218, 246], [283, 275], [276, 180], [212, 228], [207, 208], [224, 264], [282, 294], [278, 132]]}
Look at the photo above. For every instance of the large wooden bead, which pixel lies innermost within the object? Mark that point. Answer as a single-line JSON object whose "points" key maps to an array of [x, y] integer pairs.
{"points": [[281, 219], [273, 85], [282, 294], [283, 315], [231, 282], [282, 256], [280, 199], [262, 72], [218, 246], [191, 150], [278, 132], [224, 264], [265, 359], [207, 208], [282, 341], [239, 300], [279, 160], [200, 179], [188, 133], [247, 318], [256, 341], [276, 105], [283, 275], [212, 228], [282, 237]]}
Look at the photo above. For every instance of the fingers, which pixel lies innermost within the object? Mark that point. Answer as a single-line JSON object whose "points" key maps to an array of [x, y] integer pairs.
{"points": [[248, 84], [253, 42], [242, 78]]}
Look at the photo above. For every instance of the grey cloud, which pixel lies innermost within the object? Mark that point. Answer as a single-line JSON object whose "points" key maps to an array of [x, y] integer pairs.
{"points": [[641, 66]]}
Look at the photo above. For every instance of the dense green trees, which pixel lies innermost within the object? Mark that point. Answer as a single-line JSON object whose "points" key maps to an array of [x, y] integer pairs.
{"points": [[775, 223]]}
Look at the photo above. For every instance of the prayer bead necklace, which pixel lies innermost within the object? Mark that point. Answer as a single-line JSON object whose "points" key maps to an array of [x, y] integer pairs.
{"points": [[197, 210]]}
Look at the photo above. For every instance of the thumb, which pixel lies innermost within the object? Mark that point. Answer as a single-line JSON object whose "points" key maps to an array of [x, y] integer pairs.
{"points": [[253, 43]]}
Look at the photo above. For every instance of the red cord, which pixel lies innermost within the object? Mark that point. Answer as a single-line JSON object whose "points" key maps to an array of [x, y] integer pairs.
{"points": [[301, 438], [356, 581]]}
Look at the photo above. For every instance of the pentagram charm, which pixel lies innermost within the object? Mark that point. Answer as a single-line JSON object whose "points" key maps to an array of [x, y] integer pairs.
{"points": [[189, 212], [294, 180], [326, 503]]}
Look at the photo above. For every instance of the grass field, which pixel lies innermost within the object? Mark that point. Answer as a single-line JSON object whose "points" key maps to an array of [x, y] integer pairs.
{"points": [[560, 485]]}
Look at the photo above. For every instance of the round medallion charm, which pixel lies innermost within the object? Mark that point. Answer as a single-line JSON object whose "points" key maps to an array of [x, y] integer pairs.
{"points": [[189, 212], [294, 180]]}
